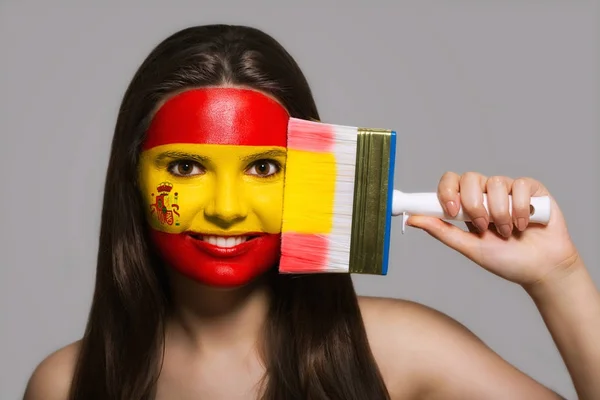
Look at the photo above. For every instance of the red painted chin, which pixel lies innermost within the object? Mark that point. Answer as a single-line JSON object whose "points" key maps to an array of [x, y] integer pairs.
{"points": [[217, 266]]}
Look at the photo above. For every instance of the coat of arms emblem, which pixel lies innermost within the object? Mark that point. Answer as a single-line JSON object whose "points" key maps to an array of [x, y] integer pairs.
{"points": [[165, 206]]}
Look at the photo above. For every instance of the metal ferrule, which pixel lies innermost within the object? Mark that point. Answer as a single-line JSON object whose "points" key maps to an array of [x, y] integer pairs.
{"points": [[371, 194]]}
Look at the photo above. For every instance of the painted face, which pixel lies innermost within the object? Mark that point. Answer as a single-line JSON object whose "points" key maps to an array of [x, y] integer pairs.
{"points": [[211, 173]]}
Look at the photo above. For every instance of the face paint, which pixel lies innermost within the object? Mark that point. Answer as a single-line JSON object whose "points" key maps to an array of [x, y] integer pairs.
{"points": [[211, 173]]}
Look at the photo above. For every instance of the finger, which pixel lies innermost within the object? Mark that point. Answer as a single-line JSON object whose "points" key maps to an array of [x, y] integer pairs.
{"points": [[497, 189], [472, 186], [452, 236], [536, 188], [521, 199], [447, 193]]}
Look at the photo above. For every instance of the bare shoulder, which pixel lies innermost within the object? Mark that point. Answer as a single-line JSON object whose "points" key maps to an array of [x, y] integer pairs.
{"points": [[423, 353], [401, 334], [51, 379]]}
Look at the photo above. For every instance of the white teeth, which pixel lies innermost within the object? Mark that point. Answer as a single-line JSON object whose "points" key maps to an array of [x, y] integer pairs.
{"points": [[225, 242]]}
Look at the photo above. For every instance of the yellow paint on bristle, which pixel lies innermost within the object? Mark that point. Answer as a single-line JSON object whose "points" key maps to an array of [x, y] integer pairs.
{"points": [[309, 192]]}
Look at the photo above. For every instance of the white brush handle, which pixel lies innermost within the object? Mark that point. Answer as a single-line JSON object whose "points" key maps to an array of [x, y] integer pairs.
{"points": [[428, 204]]}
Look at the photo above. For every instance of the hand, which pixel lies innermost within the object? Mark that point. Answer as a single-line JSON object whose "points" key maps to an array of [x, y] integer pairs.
{"points": [[510, 247]]}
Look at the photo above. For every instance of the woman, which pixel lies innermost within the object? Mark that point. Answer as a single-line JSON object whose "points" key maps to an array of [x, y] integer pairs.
{"points": [[174, 318]]}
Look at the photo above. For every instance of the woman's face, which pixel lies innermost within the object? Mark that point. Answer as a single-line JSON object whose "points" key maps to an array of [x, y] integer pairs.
{"points": [[211, 174]]}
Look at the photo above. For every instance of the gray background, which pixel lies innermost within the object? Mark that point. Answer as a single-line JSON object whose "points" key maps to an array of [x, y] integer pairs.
{"points": [[499, 87]]}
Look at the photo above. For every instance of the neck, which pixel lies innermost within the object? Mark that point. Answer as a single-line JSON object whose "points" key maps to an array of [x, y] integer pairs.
{"points": [[214, 319]]}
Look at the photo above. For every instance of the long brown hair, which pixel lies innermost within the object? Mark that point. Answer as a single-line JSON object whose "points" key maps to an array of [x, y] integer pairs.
{"points": [[317, 346]]}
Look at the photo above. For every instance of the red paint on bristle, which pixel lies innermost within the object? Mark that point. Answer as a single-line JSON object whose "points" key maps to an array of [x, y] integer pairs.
{"points": [[310, 136], [303, 253]]}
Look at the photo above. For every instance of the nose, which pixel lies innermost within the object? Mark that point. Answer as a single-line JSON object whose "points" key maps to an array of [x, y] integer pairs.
{"points": [[227, 205]]}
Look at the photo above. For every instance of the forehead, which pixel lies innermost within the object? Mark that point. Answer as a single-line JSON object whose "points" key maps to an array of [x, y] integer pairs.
{"points": [[219, 116]]}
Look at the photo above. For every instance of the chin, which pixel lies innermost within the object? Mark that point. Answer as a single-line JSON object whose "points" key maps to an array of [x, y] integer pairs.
{"points": [[224, 277]]}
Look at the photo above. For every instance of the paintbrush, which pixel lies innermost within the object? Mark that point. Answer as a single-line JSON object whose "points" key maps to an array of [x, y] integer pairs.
{"points": [[339, 200]]}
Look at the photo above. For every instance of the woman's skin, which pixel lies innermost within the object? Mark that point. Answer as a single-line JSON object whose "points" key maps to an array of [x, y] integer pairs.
{"points": [[423, 354]]}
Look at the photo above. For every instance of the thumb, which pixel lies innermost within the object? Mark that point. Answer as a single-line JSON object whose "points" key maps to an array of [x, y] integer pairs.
{"points": [[466, 243]]}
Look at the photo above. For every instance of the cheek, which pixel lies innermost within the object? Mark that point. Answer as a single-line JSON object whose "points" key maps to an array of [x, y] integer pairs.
{"points": [[146, 177], [193, 197], [267, 202], [170, 204]]}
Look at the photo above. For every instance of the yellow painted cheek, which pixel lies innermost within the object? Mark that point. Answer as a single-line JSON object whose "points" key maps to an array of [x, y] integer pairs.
{"points": [[192, 194], [171, 203], [266, 199]]}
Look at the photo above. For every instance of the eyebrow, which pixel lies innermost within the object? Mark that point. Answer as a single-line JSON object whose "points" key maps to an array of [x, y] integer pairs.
{"points": [[181, 155], [203, 159], [265, 154]]}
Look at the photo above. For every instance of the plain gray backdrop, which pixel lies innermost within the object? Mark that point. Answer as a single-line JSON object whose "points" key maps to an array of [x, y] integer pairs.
{"points": [[499, 87]]}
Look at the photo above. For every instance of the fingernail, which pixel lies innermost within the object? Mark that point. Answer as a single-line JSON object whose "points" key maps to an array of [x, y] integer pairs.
{"points": [[521, 224], [480, 223], [451, 208], [505, 230]]}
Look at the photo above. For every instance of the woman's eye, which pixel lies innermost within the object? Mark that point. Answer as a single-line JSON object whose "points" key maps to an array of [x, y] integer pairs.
{"points": [[264, 168], [185, 168]]}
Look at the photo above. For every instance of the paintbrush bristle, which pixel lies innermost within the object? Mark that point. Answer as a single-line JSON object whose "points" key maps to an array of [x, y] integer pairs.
{"points": [[335, 209], [320, 166]]}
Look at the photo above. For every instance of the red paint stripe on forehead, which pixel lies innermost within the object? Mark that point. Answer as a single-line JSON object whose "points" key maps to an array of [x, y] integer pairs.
{"points": [[219, 116]]}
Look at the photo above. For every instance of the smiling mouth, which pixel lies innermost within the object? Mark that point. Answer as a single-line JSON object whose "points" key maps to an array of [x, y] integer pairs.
{"points": [[225, 242]]}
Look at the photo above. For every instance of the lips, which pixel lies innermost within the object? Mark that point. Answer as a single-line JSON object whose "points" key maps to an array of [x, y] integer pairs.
{"points": [[226, 246], [212, 265]]}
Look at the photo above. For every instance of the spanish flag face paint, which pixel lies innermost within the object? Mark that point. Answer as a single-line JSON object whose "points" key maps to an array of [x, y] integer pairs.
{"points": [[211, 174]]}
